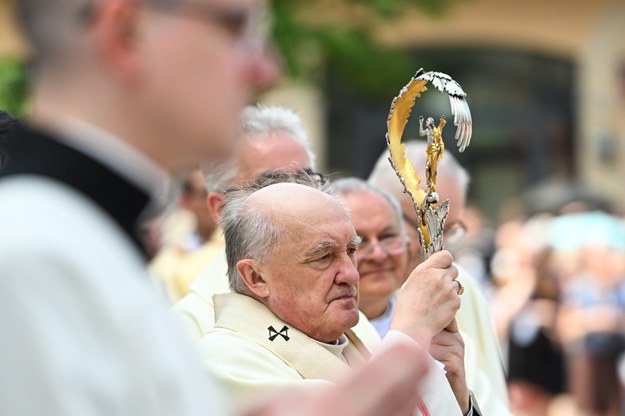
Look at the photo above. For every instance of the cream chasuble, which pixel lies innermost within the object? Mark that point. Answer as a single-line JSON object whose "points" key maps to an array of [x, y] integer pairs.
{"points": [[253, 353]]}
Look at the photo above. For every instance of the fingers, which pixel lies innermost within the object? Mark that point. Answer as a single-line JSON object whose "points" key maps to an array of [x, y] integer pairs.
{"points": [[448, 338], [428, 300], [441, 260], [448, 348]]}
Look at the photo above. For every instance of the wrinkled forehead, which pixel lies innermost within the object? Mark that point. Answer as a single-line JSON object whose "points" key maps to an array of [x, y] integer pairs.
{"points": [[359, 204], [269, 152], [297, 207]]}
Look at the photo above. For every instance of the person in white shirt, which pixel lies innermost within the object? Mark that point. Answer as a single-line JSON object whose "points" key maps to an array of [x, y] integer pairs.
{"points": [[126, 94]]}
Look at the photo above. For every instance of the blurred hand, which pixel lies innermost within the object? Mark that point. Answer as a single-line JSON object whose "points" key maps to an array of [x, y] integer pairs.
{"points": [[428, 301], [448, 348], [387, 385]]}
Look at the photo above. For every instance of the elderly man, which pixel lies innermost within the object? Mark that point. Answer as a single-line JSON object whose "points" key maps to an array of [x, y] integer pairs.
{"points": [[291, 265], [125, 94], [483, 359], [271, 138]]}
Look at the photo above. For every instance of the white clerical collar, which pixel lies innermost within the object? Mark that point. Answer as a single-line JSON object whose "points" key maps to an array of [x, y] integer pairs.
{"points": [[114, 153], [383, 322], [336, 348]]}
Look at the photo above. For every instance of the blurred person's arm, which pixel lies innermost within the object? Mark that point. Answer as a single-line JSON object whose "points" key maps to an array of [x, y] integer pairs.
{"points": [[510, 298], [574, 322]]}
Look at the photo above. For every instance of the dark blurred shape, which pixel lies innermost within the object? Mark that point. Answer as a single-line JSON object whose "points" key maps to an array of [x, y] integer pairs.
{"points": [[7, 126], [593, 322], [536, 370], [193, 199]]}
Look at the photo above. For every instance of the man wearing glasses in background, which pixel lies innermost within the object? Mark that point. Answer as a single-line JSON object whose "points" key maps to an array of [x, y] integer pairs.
{"points": [[126, 94], [483, 363]]}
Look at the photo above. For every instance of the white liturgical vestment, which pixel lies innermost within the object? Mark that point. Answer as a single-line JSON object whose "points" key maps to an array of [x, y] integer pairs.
{"points": [[83, 332]]}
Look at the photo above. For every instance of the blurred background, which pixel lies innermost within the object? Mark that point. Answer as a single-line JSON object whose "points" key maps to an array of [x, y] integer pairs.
{"points": [[546, 85]]}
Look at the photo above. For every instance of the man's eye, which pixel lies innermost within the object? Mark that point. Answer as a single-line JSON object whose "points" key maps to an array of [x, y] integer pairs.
{"points": [[387, 236], [351, 250], [325, 257]]}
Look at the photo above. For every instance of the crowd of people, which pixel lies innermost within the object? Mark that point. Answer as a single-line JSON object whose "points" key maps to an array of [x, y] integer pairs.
{"points": [[557, 292], [255, 285]]}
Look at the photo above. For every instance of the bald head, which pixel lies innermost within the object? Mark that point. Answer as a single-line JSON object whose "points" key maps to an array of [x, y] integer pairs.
{"points": [[255, 220], [289, 203]]}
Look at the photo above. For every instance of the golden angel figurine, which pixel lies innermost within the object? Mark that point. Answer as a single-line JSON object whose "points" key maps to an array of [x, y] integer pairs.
{"points": [[431, 214]]}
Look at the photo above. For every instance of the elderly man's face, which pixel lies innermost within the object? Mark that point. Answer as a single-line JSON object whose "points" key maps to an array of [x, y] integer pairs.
{"points": [[382, 255], [311, 275], [204, 62]]}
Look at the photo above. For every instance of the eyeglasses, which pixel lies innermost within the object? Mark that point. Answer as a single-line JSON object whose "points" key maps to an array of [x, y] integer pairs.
{"points": [[391, 245], [454, 231], [248, 25]]}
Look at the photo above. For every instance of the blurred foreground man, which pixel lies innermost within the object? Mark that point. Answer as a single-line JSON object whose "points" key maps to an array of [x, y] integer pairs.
{"points": [[291, 253], [127, 93], [483, 361]]}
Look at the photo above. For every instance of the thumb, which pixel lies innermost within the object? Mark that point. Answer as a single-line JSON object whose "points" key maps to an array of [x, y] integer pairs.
{"points": [[440, 260]]}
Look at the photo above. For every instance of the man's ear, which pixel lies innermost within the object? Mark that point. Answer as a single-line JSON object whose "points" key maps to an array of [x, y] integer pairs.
{"points": [[214, 201], [250, 272], [116, 27]]}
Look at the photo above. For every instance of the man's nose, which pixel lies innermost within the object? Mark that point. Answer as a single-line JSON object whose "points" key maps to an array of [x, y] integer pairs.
{"points": [[348, 273], [378, 253]]}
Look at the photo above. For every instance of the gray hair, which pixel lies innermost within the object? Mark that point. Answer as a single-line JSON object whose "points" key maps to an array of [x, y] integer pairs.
{"points": [[250, 232], [54, 26], [257, 123], [347, 186], [384, 177]]}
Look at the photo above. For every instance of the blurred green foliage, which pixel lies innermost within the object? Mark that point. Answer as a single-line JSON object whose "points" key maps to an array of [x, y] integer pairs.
{"points": [[306, 50], [13, 86], [346, 48]]}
